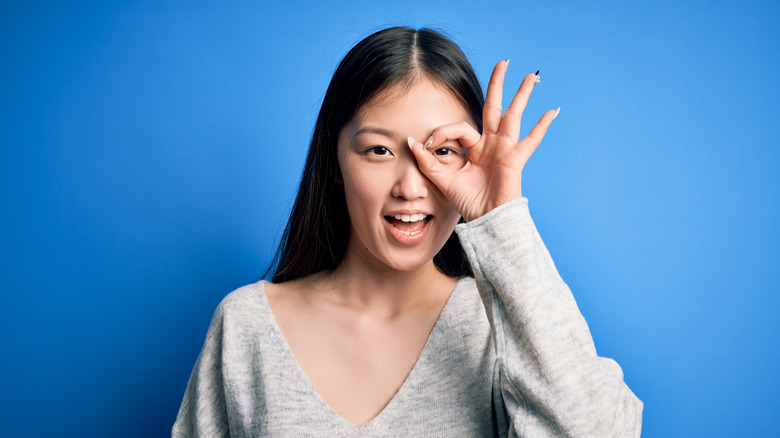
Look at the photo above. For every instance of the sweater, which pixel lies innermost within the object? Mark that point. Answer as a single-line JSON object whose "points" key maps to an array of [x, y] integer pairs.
{"points": [[510, 355]]}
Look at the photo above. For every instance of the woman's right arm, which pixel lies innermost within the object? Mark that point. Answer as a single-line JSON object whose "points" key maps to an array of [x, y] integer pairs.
{"points": [[203, 412]]}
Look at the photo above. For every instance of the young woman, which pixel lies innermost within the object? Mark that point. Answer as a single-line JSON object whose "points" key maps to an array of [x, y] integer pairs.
{"points": [[380, 321]]}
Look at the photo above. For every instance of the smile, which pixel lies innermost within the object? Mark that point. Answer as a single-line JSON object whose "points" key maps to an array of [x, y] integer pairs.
{"points": [[408, 228]]}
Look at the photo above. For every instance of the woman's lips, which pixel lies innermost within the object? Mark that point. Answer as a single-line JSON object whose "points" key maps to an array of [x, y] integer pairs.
{"points": [[408, 229]]}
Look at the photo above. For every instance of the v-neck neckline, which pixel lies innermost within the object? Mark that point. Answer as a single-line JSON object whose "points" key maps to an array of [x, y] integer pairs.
{"points": [[422, 359]]}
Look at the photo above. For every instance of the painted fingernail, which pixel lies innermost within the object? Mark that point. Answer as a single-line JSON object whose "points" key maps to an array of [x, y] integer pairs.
{"points": [[429, 142], [556, 113], [537, 79], [507, 63], [410, 140]]}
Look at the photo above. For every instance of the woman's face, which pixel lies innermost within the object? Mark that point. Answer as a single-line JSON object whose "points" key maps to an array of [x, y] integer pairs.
{"points": [[399, 219]]}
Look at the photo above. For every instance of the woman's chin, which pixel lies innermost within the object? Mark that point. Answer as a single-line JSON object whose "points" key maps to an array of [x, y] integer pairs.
{"points": [[410, 264]]}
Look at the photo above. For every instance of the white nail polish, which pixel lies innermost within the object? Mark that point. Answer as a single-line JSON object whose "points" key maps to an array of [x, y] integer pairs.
{"points": [[537, 78], [410, 141], [507, 63], [428, 143], [556, 113]]}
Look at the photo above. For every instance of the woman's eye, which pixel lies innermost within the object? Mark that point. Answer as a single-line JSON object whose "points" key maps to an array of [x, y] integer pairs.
{"points": [[445, 151], [452, 156], [378, 150]]}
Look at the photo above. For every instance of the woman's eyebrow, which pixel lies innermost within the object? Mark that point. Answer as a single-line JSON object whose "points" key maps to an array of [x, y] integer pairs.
{"points": [[377, 130], [374, 130]]}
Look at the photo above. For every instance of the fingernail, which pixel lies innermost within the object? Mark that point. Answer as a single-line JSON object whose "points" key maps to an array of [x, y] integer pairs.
{"points": [[429, 142], [556, 113], [507, 63], [410, 140], [537, 79]]}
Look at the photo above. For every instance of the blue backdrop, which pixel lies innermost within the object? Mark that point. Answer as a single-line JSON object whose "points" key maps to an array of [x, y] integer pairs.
{"points": [[151, 151]]}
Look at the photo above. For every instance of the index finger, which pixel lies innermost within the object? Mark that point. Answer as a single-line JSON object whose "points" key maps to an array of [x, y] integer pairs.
{"points": [[464, 133]]}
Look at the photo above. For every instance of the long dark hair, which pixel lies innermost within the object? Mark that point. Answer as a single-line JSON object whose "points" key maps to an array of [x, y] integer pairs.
{"points": [[316, 235]]}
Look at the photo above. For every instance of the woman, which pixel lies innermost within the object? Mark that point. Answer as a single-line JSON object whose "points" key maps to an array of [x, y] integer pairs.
{"points": [[373, 325]]}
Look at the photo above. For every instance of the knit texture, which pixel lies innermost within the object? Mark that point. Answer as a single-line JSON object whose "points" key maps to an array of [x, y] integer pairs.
{"points": [[510, 355]]}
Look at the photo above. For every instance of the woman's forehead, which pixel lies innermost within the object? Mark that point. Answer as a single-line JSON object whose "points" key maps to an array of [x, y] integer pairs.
{"points": [[422, 102], [402, 90]]}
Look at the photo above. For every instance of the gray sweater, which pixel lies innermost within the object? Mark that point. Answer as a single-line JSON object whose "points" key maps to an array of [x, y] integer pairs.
{"points": [[510, 355]]}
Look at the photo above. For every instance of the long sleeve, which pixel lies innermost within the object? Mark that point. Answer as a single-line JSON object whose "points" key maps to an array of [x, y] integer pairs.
{"points": [[203, 411], [550, 378]]}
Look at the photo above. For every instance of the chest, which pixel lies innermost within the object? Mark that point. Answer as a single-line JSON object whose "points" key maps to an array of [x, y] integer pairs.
{"points": [[445, 388], [357, 363]]}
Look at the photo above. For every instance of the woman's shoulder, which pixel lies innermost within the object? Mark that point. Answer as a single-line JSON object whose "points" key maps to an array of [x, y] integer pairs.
{"points": [[245, 306], [249, 295], [295, 292], [257, 304], [465, 304]]}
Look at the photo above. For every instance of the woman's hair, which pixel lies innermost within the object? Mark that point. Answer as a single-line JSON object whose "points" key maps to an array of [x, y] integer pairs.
{"points": [[315, 238]]}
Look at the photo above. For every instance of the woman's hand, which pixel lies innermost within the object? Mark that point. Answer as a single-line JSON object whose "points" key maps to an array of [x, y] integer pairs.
{"points": [[492, 175]]}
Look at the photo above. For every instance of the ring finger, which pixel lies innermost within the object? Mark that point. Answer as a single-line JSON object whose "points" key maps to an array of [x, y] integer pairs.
{"points": [[510, 123]]}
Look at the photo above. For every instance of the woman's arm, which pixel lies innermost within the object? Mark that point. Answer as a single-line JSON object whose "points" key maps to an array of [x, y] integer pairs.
{"points": [[203, 412], [551, 379]]}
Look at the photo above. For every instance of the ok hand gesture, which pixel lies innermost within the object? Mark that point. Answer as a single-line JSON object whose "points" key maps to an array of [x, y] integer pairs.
{"points": [[492, 175]]}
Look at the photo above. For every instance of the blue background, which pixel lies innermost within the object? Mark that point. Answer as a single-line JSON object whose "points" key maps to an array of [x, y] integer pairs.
{"points": [[151, 151]]}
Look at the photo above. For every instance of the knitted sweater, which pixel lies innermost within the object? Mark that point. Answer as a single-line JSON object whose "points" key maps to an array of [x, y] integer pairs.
{"points": [[510, 355]]}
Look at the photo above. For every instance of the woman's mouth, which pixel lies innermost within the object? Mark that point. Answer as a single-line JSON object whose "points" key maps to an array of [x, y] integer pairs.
{"points": [[408, 228]]}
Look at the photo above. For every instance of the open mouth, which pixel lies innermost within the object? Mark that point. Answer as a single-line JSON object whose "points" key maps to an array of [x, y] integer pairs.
{"points": [[409, 224]]}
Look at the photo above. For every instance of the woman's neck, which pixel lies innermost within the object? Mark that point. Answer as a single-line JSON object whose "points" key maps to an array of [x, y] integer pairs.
{"points": [[385, 292]]}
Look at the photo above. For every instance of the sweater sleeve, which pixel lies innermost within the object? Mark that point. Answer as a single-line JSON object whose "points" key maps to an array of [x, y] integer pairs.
{"points": [[551, 379], [203, 412]]}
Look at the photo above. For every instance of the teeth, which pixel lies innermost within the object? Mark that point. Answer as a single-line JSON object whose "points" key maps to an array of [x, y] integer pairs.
{"points": [[410, 217]]}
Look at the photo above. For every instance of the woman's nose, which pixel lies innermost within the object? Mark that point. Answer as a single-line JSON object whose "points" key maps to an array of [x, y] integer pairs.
{"points": [[410, 183]]}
